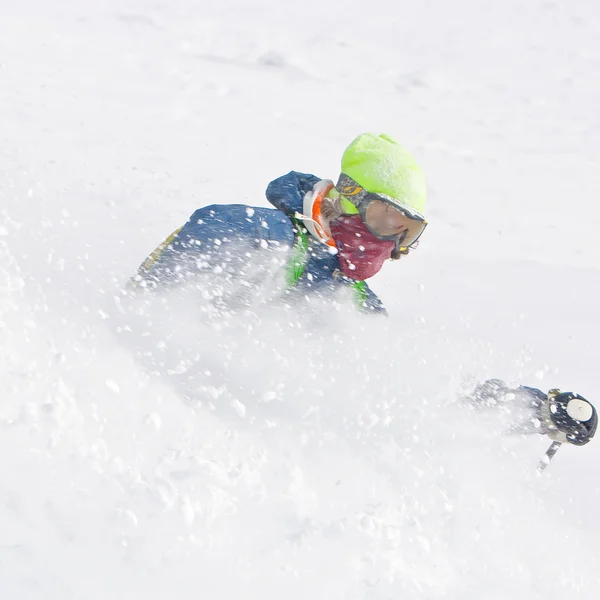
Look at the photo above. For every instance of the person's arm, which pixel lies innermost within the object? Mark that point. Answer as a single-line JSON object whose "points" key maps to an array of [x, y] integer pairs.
{"points": [[217, 240], [565, 417], [287, 192]]}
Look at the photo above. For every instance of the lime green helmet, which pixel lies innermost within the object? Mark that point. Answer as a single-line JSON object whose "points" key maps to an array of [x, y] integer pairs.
{"points": [[380, 165]]}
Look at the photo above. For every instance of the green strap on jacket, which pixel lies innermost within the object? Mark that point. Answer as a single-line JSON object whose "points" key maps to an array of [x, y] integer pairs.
{"points": [[297, 263], [299, 258]]}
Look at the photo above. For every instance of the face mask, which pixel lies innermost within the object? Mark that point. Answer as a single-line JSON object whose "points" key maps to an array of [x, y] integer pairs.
{"points": [[361, 254]]}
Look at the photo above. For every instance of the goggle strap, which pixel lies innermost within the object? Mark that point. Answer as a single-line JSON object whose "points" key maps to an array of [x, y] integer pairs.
{"points": [[351, 190]]}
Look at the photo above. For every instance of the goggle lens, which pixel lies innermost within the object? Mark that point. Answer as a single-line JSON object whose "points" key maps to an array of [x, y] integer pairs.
{"points": [[388, 221]]}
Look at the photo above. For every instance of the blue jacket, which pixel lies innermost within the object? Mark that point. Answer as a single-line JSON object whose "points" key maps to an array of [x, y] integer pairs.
{"points": [[214, 236]]}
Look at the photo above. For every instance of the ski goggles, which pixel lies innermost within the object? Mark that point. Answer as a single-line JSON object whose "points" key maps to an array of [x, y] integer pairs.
{"points": [[385, 217]]}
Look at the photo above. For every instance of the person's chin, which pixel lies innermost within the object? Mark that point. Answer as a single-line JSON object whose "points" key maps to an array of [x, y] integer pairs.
{"points": [[360, 268]]}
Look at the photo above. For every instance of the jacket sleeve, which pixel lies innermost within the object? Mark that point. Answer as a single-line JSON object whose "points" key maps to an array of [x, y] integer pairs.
{"points": [[217, 240], [287, 192]]}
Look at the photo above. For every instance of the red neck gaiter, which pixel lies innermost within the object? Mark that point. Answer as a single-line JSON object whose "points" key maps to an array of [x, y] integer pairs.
{"points": [[361, 254]]}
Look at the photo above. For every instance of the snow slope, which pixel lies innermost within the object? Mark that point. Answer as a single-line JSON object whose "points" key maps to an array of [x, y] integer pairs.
{"points": [[267, 456]]}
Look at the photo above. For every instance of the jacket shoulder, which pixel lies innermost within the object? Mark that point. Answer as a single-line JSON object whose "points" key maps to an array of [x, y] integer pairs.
{"points": [[237, 221], [286, 193]]}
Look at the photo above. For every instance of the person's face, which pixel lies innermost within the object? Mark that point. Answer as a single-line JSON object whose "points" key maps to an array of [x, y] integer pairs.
{"points": [[361, 254]]}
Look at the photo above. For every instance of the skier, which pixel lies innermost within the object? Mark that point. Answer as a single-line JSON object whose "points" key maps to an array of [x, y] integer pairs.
{"points": [[323, 239], [320, 239]]}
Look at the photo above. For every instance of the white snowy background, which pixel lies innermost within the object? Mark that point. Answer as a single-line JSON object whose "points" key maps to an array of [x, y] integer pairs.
{"points": [[332, 463]]}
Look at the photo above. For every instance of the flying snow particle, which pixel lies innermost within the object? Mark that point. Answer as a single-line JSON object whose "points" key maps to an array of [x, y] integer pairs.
{"points": [[112, 386], [240, 409], [154, 420]]}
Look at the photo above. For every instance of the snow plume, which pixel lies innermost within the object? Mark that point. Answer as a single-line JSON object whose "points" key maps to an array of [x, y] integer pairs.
{"points": [[164, 450], [263, 454]]}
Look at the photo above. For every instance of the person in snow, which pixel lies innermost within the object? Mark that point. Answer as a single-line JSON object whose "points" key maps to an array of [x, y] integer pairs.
{"points": [[321, 238]]}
